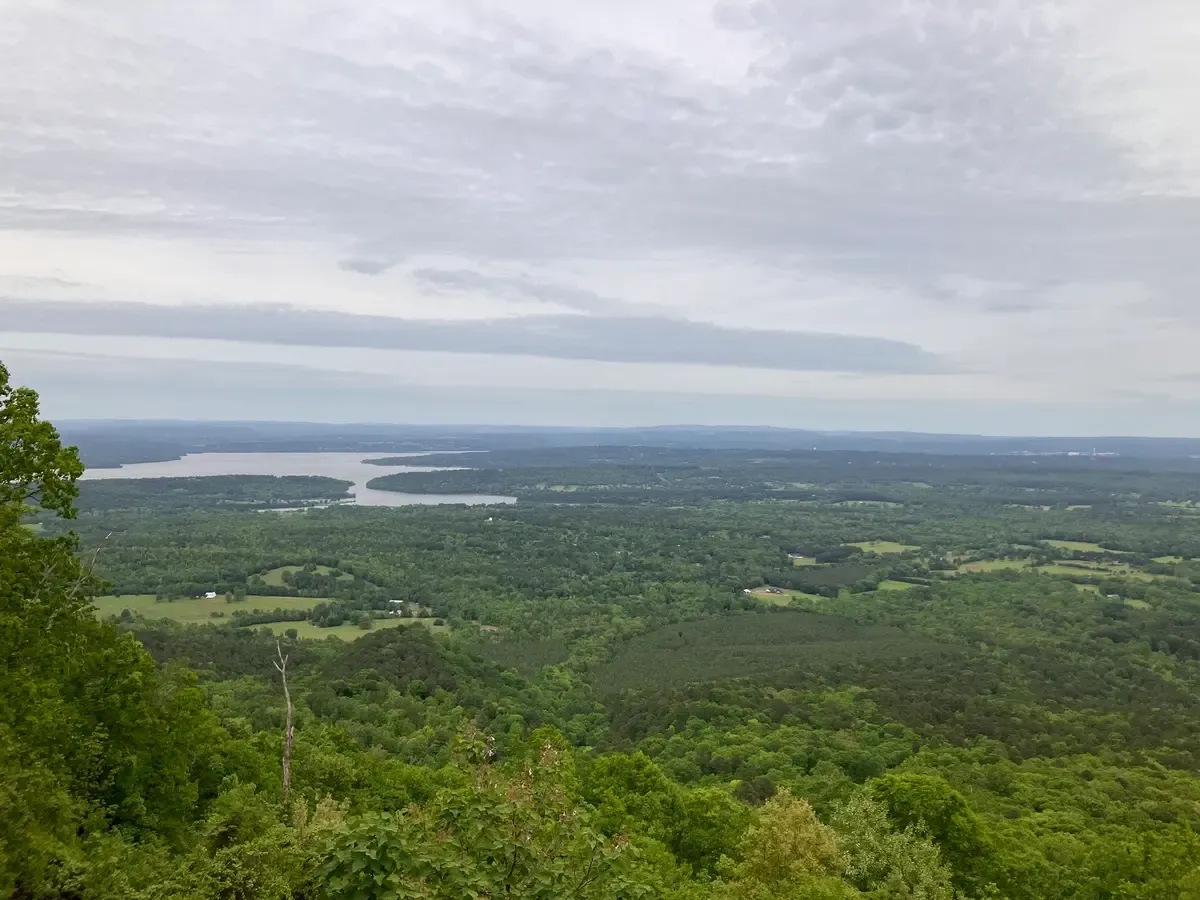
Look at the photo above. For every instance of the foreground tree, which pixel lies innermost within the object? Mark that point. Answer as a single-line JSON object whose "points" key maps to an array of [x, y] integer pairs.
{"points": [[91, 735], [494, 834], [885, 862], [930, 804], [787, 853]]}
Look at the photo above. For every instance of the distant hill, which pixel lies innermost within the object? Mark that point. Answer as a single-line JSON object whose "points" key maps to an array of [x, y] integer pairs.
{"points": [[111, 443]]}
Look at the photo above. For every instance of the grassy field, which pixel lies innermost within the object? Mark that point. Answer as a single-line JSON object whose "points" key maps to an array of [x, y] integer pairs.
{"points": [[1076, 571], [195, 610], [275, 576], [308, 630], [994, 565], [785, 597], [804, 561], [1169, 560], [882, 547], [1082, 547], [1088, 565], [1073, 568], [890, 585]]}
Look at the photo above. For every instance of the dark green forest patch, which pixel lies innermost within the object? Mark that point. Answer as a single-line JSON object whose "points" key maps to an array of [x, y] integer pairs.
{"points": [[223, 492], [724, 647], [526, 656]]}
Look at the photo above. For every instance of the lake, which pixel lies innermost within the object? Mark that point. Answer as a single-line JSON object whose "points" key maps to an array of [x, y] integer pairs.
{"points": [[343, 466]]}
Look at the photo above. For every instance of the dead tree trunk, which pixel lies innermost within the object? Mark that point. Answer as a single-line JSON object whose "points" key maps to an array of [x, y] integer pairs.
{"points": [[281, 665]]}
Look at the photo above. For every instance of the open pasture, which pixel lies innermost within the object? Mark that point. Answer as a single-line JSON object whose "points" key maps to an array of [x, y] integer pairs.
{"points": [[195, 610], [274, 577], [783, 596], [883, 547], [1082, 547], [309, 631], [993, 565]]}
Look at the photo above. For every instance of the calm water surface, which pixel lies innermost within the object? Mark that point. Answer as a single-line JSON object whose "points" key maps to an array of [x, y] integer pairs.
{"points": [[344, 466]]}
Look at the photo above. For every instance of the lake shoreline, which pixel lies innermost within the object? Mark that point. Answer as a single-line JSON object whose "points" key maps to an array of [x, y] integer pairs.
{"points": [[355, 467]]}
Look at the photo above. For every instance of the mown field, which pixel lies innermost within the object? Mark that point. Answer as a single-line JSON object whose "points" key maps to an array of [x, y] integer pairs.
{"points": [[274, 577], [199, 611], [193, 610], [1083, 547], [883, 546], [307, 630]]}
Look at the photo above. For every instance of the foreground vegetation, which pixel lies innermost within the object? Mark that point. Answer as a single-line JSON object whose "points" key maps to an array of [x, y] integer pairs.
{"points": [[714, 675]]}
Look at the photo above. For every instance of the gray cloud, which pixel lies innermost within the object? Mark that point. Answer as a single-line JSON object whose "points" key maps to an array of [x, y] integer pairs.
{"points": [[365, 266], [973, 175], [521, 288], [891, 140], [610, 339]]}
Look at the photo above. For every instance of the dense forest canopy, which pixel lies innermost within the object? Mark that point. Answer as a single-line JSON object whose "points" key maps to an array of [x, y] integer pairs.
{"points": [[705, 672], [215, 491]]}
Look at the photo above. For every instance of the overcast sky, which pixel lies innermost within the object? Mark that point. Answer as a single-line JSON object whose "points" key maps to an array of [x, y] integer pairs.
{"points": [[947, 215]]}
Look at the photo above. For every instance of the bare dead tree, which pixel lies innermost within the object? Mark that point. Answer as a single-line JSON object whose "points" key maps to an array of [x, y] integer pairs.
{"points": [[281, 666]]}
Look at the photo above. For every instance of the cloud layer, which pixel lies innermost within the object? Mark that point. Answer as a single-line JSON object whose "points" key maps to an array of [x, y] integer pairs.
{"points": [[608, 339], [999, 189]]}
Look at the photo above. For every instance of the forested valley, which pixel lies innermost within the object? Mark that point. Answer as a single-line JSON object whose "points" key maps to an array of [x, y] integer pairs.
{"points": [[702, 673]]}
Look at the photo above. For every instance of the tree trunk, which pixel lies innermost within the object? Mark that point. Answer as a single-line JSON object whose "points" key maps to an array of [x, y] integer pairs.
{"points": [[281, 665]]}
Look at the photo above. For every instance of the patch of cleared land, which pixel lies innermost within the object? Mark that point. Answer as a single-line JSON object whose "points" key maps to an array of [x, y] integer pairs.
{"points": [[195, 610], [890, 585], [1086, 565], [1077, 571], [994, 565], [804, 561], [1073, 568], [1169, 560], [1082, 547], [1075, 506], [784, 597], [274, 577], [882, 547], [309, 631]]}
